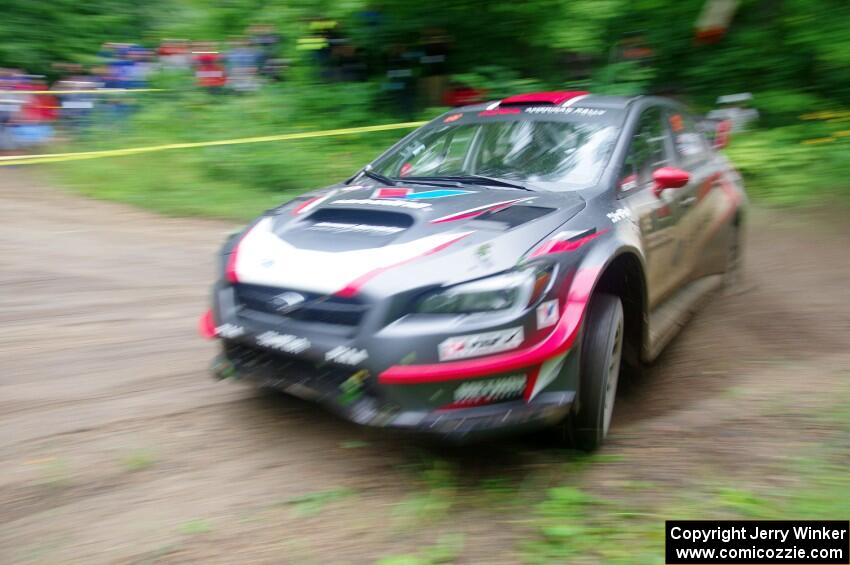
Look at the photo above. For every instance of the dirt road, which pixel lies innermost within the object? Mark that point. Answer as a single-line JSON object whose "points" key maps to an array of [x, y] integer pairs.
{"points": [[115, 445]]}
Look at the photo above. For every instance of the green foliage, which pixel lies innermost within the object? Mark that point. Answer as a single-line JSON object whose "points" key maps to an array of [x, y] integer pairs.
{"points": [[446, 550], [794, 164], [498, 81], [33, 34]]}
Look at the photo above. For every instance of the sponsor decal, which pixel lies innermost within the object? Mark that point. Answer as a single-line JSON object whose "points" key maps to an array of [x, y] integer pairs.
{"points": [[229, 331], [283, 342], [286, 302], [394, 202], [352, 388], [568, 110], [391, 192], [480, 392], [499, 112], [346, 355], [337, 227], [436, 194], [619, 214], [408, 194], [547, 314], [473, 345], [473, 212], [483, 252], [452, 118]]}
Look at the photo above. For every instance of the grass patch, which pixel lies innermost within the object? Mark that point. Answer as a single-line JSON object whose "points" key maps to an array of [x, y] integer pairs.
{"points": [[232, 181], [139, 460], [195, 527], [447, 549], [436, 498], [571, 525], [314, 502]]}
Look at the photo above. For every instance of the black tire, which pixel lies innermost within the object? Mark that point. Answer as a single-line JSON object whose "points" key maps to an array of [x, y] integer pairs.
{"points": [[601, 360]]}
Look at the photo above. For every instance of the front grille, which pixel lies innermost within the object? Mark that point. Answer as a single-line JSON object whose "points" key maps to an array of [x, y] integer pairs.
{"points": [[316, 308], [281, 369]]}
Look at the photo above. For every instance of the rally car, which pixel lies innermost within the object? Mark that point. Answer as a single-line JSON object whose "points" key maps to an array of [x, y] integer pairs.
{"points": [[493, 271]]}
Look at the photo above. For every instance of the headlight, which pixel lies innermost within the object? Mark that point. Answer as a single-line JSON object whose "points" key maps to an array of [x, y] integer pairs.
{"points": [[501, 292]]}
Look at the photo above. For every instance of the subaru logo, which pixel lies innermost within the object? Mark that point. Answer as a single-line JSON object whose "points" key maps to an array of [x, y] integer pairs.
{"points": [[287, 301]]}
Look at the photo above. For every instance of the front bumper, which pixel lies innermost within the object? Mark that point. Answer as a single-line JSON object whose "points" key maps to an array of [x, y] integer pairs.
{"points": [[345, 355], [354, 396]]}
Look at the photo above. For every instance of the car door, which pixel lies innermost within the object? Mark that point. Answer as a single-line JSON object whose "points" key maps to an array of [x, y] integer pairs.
{"points": [[650, 149], [695, 206]]}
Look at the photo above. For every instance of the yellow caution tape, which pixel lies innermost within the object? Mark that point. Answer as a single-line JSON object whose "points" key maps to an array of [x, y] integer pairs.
{"points": [[57, 157], [818, 140], [91, 91]]}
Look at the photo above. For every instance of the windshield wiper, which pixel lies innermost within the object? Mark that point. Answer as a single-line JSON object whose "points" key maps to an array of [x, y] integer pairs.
{"points": [[409, 180], [378, 177], [476, 179]]}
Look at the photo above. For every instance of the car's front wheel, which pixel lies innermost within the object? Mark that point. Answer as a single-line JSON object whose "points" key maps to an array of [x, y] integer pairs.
{"points": [[601, 356]]}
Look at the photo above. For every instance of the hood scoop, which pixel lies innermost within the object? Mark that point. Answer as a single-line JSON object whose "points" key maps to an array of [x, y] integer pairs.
{"points": [[345, 229]]}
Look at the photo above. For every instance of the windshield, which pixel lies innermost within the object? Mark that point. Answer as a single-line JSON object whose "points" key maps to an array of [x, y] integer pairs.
{"points": [[556, 155]]}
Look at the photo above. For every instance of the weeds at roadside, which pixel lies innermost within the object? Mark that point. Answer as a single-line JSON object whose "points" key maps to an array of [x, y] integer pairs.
{"points": [[195, 527], [139, 460], [354, 444], [447, 549], [314, 502], [435, 501]]}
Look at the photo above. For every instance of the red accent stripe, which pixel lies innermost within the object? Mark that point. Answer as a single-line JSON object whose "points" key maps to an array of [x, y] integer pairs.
{"points": [[557, 342], [357, 284], [564, 245], [549, 97], [297, 210], [230, 268], [206, 325], [476, 211]]}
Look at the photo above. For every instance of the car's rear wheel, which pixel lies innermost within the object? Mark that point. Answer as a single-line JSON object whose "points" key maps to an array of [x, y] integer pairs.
{"points": [[601, 357]]}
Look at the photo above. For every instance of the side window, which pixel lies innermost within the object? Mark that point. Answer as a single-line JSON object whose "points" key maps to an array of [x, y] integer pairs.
{"points": [[691, 146], [647, 152]]}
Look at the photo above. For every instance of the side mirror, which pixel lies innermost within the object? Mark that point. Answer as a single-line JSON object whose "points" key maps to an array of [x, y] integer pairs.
{"points": [[669, 177], [721, 134]]}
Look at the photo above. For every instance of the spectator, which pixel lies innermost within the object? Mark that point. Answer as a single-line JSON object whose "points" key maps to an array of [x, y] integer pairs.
{"points": [[242, 61], [209, 72]]}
